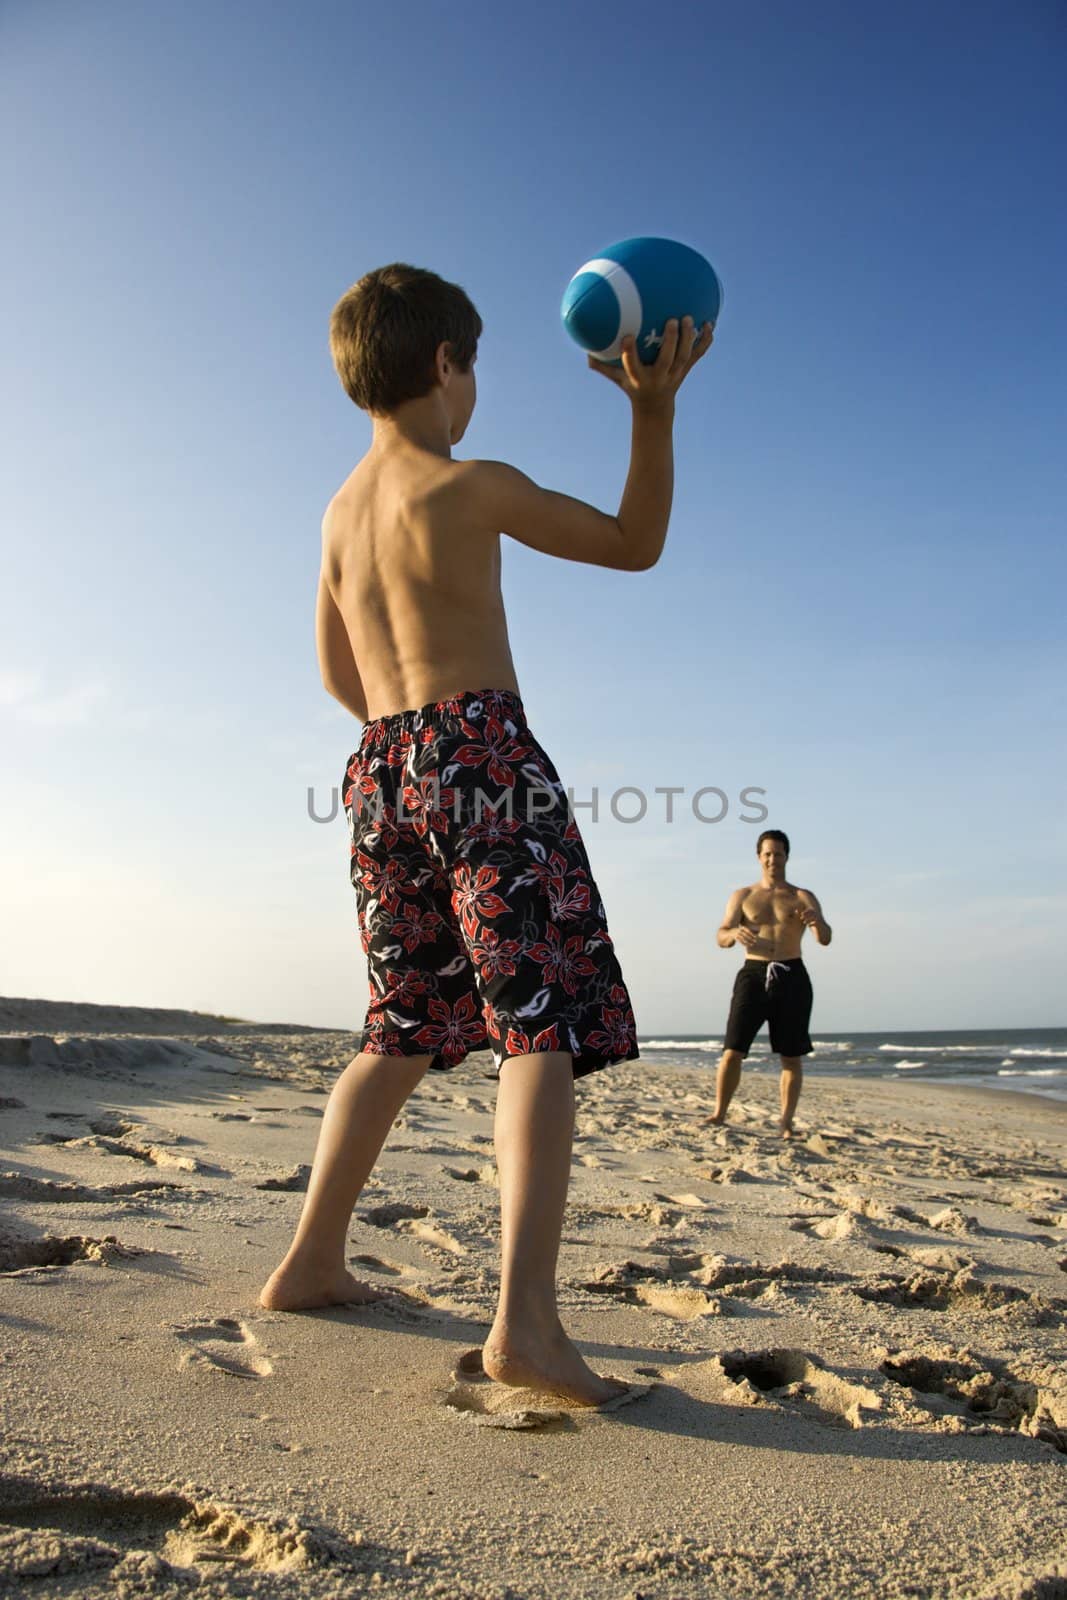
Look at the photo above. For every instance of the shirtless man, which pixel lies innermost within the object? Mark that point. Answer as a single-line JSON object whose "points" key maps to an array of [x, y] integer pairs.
{"points": [[482, 924], [768, 920]]}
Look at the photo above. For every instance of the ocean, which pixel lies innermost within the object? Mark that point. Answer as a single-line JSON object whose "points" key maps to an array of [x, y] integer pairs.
{"points": [[1028, 1060]]}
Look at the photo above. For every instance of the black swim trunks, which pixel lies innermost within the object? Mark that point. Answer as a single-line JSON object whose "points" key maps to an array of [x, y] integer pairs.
{"points": [[479, 916], [778, 992]]}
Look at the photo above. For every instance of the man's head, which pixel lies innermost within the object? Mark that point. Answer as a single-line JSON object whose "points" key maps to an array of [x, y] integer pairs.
{"points": [[401, 332], [772, 848]]}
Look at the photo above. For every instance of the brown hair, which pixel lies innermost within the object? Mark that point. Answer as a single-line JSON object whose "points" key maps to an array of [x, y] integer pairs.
{"points": [[777, 835], [385, 330]]}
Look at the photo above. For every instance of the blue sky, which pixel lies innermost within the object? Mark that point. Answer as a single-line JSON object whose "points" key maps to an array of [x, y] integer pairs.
{"points": [[860, 605]]}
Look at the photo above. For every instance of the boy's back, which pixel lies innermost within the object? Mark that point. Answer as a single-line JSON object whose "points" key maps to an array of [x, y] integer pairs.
{"points": [[416, 580]]}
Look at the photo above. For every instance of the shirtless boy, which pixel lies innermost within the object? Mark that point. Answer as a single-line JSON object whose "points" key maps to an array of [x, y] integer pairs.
{"points": [[481, 923], [768, 920]]}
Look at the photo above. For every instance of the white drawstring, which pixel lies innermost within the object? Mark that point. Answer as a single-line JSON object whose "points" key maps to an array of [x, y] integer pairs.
{"points": [[773, 969]]}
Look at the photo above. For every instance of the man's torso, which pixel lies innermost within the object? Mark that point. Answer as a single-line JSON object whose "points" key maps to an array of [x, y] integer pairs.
{"points": [[773, 915]]}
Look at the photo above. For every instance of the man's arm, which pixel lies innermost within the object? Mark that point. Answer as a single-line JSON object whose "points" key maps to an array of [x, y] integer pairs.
{"points": [[557, 524], [732, 932], [337, 664], [811, 916]]}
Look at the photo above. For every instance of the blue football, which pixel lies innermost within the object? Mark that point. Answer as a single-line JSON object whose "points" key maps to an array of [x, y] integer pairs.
{"points": [[635, 287]]}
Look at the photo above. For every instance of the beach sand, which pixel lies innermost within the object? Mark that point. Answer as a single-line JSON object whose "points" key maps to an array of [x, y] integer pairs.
{"points": [[853, 1345]]}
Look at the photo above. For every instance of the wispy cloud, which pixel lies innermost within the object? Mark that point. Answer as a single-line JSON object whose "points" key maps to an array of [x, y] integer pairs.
{"points": [[24, 698]]}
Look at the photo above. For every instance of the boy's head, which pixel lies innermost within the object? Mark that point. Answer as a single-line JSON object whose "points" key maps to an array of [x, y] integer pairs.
{"points": [[400, 332]]}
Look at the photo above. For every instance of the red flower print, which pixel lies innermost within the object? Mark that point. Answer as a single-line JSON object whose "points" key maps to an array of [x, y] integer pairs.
{"points": [[454, 1030], [497, 748], [401, 988], [492, 829], [398, 751], [414, 927], [562, 961], [564, 902], [519, 1044], [384, 880], [424, 806], [377, 1042], [495, 957], [616, 1036], [472, 898]]}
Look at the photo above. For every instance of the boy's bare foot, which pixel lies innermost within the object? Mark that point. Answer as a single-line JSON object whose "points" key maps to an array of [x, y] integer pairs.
{"points": [[295, 1288], [550, 1365]]}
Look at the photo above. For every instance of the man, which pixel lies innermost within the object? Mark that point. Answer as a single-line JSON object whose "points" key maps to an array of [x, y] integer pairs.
{"points": [[768, 920]]}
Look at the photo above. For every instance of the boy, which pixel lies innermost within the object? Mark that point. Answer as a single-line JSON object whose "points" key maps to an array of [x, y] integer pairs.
{"points": [[478, 911]]}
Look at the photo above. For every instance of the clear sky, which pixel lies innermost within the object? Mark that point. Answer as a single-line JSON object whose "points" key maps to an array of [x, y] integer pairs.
{"points": [[860, 608]]}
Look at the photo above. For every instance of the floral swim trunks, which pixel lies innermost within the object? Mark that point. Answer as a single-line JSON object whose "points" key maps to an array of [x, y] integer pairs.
{"points": [[479, 917]]}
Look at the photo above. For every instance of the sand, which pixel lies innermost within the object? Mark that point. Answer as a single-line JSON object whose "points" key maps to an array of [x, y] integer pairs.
{"points": [[848, 1352]]}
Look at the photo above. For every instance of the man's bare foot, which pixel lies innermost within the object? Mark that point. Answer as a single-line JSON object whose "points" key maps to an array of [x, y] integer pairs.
{"points": [[786, 1130], [549, 1365], [294, 1288], [716, 1121]]}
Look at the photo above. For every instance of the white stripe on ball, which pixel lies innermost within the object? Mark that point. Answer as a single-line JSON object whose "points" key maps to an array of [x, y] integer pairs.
{"points": [[627, 294]]}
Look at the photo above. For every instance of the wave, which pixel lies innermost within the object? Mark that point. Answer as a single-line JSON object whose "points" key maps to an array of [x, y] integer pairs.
{"points": [[832, 1044], [1032, 1072], [680, 1044], [910, 1066], [1041, 1055], [949, 1049]]}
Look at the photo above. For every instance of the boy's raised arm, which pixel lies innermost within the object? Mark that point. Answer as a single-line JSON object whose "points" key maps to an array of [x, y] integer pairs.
{"points": [[559, 525]]}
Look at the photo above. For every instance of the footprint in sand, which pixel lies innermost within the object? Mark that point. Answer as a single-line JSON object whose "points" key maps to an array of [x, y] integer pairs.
{"points": [[296, 1181], [688, 1286], [389, 1269], [139, 1540], [981, 1391], [223, 1345], [789, 1378], [17, 1186], [474, 1398], [34, 1257], [152, 1155], [388, 1216], [486, 1174], [411, 1219], [653, 1288]]}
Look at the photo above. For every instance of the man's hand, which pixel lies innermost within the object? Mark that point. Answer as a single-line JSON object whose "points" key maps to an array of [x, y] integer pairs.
{"points": [[809, 916], [746, 937], [656, 384]]}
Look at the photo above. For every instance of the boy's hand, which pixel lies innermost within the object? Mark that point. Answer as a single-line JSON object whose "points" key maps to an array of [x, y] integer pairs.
{"points": [[657, 384]]}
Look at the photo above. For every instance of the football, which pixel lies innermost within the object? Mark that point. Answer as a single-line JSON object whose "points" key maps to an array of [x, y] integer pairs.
{"points": [[635, 287]]}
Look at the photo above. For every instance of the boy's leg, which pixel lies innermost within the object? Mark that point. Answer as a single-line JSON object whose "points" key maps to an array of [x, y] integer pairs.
{"points": [[791, 1080], [534, 1126], [363, 1106], [729, 1076]]}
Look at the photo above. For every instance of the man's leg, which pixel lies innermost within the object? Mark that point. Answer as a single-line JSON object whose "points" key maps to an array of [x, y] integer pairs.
{"points": [[534, 1126], [792, 1077], [729, 1077], [363, 1106]]}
